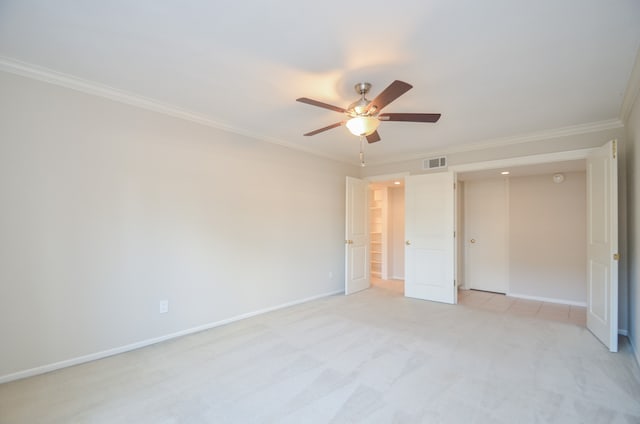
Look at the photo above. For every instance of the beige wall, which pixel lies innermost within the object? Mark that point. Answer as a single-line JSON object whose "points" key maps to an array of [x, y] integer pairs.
{"points": [[108, 209], [396, 233], [633, 223], [547, 237]]}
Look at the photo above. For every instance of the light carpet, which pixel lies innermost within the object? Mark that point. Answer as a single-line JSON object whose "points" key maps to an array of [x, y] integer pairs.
{"points": [[373, 357]]}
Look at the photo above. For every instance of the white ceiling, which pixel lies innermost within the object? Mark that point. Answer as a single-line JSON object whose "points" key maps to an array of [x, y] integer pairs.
{"points": [[494, 69]]}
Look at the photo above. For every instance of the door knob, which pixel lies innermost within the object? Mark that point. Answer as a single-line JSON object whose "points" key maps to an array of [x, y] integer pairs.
{"points": [[408, 243], [472, 240]]}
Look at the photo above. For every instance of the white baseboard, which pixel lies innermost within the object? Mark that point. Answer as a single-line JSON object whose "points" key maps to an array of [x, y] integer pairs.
{"points": [[623, 332], [115, 351], [548, 299]]}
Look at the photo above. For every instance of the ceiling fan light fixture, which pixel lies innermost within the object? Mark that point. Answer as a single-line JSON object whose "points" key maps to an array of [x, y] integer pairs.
{"points": [[359, 107], [363, 125], [363, 116]]}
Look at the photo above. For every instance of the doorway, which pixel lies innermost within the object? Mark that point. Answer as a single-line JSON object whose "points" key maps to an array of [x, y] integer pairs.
{"points": [[427, 239], [386, 222], [430, 218], [552, 274], [524, 232]]}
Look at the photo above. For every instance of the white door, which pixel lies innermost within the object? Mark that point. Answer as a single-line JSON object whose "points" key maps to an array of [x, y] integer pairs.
{"points": [[429, 227], [356, 237], [602, 245], [485, 232]]}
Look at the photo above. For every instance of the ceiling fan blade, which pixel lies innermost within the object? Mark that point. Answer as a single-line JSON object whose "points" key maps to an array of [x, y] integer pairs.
{"points": [[389, 94], [410, 117], [328, 127], [320, 104], [373, 137]]}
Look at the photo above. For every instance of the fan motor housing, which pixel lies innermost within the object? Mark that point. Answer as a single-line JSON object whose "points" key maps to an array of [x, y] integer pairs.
{"points": [[362, 88]]}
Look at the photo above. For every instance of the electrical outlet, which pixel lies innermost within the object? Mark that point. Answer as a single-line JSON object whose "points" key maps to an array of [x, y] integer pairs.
{"points": [[330, 274], [164, 306]]}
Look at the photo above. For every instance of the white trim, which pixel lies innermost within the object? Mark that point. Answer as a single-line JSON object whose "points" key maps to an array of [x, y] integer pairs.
{"points": [[387, 177], [115, 351], [507, 231], [523, 160], [623, 332], [536, 136], [89, 87], [633, 88], [548, 299], [590, 127], [28, 70]]}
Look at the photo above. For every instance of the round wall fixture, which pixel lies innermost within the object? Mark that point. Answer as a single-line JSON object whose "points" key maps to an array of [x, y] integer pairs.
{"points": [[558, 178]]}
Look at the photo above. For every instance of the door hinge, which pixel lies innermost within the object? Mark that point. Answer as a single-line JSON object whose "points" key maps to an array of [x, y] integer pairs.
{"points": [[614, 148], [454, 234], [616, 256]]}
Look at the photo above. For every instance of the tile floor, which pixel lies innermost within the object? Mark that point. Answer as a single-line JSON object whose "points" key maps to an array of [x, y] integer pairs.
{"points": [[508, 305]]}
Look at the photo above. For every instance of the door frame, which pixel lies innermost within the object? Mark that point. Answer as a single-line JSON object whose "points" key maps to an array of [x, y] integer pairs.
{"points": [[485, 165], [386, 177], [578, 154]]}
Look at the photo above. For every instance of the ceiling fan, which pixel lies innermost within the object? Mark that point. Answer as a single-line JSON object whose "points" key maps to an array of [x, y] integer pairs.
{"points": [[364, 115]]}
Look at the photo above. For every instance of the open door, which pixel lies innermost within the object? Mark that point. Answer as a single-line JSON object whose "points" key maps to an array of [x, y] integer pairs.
{"points": [[429, 235], [356, 237], [602, 245]]}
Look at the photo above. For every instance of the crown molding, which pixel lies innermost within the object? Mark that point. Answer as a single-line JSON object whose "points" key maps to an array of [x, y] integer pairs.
{"points": [[632, 91], [508, 141], [31, 71], [28, 70]]}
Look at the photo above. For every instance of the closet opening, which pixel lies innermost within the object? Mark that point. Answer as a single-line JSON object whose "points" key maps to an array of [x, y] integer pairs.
{"points": [[386, 237], [522, 232]]}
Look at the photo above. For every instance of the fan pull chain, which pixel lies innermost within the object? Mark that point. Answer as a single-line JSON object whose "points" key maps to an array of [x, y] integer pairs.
{"points": [[362, 151]]}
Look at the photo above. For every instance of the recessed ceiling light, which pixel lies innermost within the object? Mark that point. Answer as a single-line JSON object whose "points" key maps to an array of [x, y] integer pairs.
{"points": [[505, 172], [396, 182]]}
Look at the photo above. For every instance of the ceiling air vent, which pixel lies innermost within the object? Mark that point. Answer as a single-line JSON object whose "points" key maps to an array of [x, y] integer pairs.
{"points": [[435, 163]]}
